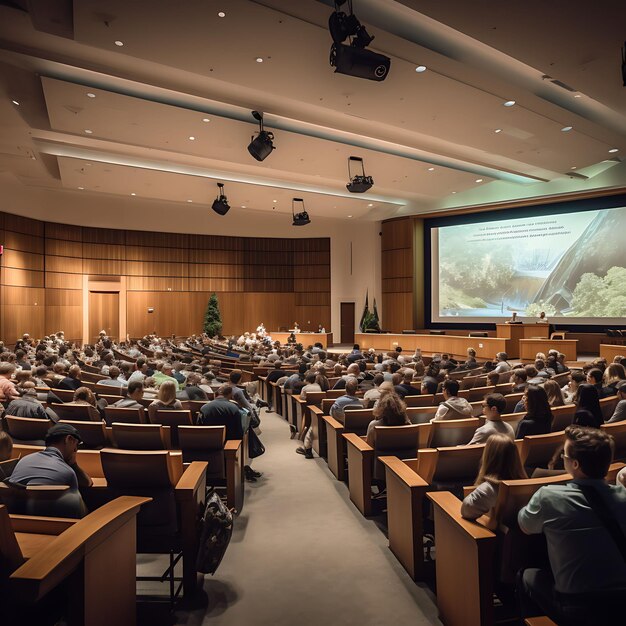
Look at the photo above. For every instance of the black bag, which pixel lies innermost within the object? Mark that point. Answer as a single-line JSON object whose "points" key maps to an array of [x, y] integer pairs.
{"points": [[255, 420], [255, 447], [217, 529]]}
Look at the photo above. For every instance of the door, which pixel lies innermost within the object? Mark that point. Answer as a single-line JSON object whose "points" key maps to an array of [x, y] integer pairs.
{"points": [[347, 322], [104, 314]]}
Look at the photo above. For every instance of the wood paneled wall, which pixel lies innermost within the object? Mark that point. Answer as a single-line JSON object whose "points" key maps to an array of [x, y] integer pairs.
{"points": [[274, 281], [397, 274]]}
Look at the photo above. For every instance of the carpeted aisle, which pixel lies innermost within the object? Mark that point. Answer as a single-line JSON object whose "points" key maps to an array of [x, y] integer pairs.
{"points": [[302, 554]]}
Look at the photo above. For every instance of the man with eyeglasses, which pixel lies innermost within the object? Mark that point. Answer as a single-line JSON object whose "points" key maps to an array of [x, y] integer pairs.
{"points": [[584, 522], [493, 406]]}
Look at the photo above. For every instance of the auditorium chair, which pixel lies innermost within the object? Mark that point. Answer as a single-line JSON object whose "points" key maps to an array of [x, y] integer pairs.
{"points": [[27, 430], [536, 451], [39, 554], [407, 483], [173, 419], [511, 418], [451, 432], [427, 399], [90, 377], [478, 393], [168, 524], [618, 431], [110, 390], [93, 434], [140, 436], [512, 400], [421, 414], [74, 412], [62, 394], [468, 381], [608, 406], [562, 417], [124, 416], [194, 406], [364, 465]]}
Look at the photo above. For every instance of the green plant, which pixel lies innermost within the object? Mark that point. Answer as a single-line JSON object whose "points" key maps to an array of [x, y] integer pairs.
{"points": [[370, 321], [212, 318]]}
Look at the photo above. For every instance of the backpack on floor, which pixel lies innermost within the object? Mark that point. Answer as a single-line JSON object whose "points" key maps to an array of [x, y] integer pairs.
{"points": [[217, 529]]}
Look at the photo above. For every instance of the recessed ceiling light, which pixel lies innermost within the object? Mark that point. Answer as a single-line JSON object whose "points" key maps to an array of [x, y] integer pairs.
{"points": [[614, 150], [577, 95], [497, 130], [431, 169], [81, 188], [259, 59], [370, 204], [206, 119], [189, 200], [565, 129], [349, 215], [15, 102], [243, 206], [119, 43], [133, 193], [454, 192], [192, 138], [509, 103], [221, 14], [479, 180], [91, 95], [420, 68], [573, 167], [89, 132], [274, 201]]}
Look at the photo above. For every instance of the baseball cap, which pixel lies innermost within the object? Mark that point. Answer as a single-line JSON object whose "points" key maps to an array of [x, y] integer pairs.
{"points": [[62, 430]]}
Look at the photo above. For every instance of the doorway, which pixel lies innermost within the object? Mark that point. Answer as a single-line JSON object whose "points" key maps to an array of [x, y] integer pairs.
{"points": [[104, 314], [347, 322]]}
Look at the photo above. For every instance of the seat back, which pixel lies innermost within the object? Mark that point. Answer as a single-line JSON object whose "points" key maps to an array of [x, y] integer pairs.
{"points": [[562, 416], [608, 406], [75, 412], [478, 393], [561, 379], [538, 450], [139, 436], [10, 554], [90, 377], [457, 465], [110, 390], [194, 407], [124, 416], [421, 414], [511, 401], [204, 443], [427, 399], [41, 500], [173, 419], [452, 432], [399, 441], [27, 429], [315, 397], [65, 395], [93, 434], [357, 421], [618, 431]]}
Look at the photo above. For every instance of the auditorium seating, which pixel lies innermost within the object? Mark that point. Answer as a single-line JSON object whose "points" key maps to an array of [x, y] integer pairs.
{"points": [[27, 429], [93, 434], [141, 436], [124, 416]]}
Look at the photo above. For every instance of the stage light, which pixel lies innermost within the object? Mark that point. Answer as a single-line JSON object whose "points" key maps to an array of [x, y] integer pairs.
{"points": [[261, 147], [220, 204], [354, 59], [359, 183], [302, 218]]}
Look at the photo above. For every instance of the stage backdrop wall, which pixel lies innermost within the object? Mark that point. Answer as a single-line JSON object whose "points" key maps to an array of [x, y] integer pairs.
{"points": [[48, 270]]}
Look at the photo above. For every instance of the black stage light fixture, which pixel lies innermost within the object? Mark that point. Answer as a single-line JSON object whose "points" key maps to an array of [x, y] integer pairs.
{"points": [[624, 64], [359, 183], [302, 218], [354, 59], [220, 204], [261, 147]]}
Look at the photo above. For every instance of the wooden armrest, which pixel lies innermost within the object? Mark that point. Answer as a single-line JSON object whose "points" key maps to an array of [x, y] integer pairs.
{"points": [[297, 398], [403, 472], [315, 409], [40, 525], [357, 442], [232, 446], [451, 505], [192, 477], [332, 422], [64, 554]]}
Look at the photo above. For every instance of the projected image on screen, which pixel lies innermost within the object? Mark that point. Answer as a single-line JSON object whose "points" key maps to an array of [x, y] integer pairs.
{"points": [[571, 265]]}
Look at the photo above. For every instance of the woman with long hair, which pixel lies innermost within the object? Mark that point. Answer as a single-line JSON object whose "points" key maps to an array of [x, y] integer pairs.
{"points": [[390, 410], [613, 374], [538, 418], [555, 395], [500, 461], [166, 399], [588, 411]]}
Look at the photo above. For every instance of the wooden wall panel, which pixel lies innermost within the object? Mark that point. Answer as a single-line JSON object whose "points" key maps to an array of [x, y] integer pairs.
{"points": [[111, 251], [25, 225], [149, 283], [21, 241], [65, 264], [398, 311], [57, 280], [21, 278], [396, 234], [64, 248], [67, 232], [230, 257], [397, 263], [306, 298], [19, 259], [310, 317]]}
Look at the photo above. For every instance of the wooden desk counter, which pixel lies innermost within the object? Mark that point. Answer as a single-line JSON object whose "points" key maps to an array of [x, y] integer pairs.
{"points": [[530, 347], [306, 339], [515, 332], [609, 351]]}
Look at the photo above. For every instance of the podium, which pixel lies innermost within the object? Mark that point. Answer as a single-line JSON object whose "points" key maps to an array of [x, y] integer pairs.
{"points": [[515, 332]]}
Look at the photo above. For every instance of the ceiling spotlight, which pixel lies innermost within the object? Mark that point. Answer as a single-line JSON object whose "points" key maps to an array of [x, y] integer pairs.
{"points": [[612, 150], [189, 200], [370, 204], [191, 138], [220, 204], [206, 119], [259, 59], [354, 59], [359, 183], [509, 103], [479, 180], [302, 218], [274, 201], [261, 147], [454, 192], [221, 14], [497, 130], [431, 169], [81, 188], [566, 129], [420, 68], [15, 102], [133, 193], [119, 43], [89, 132], [91, 95], [349, 215]]}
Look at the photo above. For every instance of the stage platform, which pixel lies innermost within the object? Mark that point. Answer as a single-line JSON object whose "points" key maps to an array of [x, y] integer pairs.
{"points": [[306, 339]]}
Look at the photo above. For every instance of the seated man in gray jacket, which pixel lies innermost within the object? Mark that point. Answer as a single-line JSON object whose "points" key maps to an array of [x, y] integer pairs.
{"points": [[349, 399], [134, 394], [493, 407]]}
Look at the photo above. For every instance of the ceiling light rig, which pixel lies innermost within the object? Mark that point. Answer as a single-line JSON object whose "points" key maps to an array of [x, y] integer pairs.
{"points": [[302, 218], [354, 59], [220, 204], [261, 147], [359, 183]]}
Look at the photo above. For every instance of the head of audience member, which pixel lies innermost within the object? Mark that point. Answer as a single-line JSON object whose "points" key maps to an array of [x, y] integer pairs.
{"points": [[471, 353], [428, 386], [74, 372], [322, 381], [450, 389], [594, 376], [28, 388], [554, 393], [6, 370], [391, 410], [309, 379], [84, 395], [493, 406], [500, 461], [107, 357], [493, 378], [22, 377], [234, 377], [575, 379], [353, 370], [352, 384], [502, 356], [149, 383], [167, 392], [519, 376], [551, 362], [588, 399], [621, 390], [613, 373], [114, 372], [135, 390], [126, 369], [618, 359], [141, 365], [379, 379], [540, 365], [226, 392], [531, 371], [588, 452], [537, 405], [193, 379], [396, 379], [6, 446]]}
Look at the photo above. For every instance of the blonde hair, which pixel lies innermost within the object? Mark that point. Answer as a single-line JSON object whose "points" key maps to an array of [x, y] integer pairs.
{"points": [[167, 392], [555, 395], [614, 373], [500, 461]]}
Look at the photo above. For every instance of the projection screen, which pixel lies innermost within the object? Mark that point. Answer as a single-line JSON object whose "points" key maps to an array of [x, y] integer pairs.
{"points": [[570, 265]]}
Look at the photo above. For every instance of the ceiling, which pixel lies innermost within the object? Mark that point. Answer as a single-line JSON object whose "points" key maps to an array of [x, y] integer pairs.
{"points": [[167, 115]]}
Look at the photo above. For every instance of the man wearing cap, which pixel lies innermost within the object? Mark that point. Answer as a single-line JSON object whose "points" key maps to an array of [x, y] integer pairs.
{"points": [[619, 415], [56, 465]]}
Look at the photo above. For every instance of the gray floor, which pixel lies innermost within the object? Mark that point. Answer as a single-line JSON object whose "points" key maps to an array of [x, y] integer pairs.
{"points": [[302, 553]]}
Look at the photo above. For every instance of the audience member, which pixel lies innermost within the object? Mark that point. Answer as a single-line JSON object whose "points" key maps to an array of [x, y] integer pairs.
{"points": [[494, 406], [348, 400], [134, 394], [7, 389], [452, 407], [569, 390], [588, 411], [405, 388], [166, 399], [538, 418], [390, 411], [594, 377], [619, 414], [554, 393]]}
